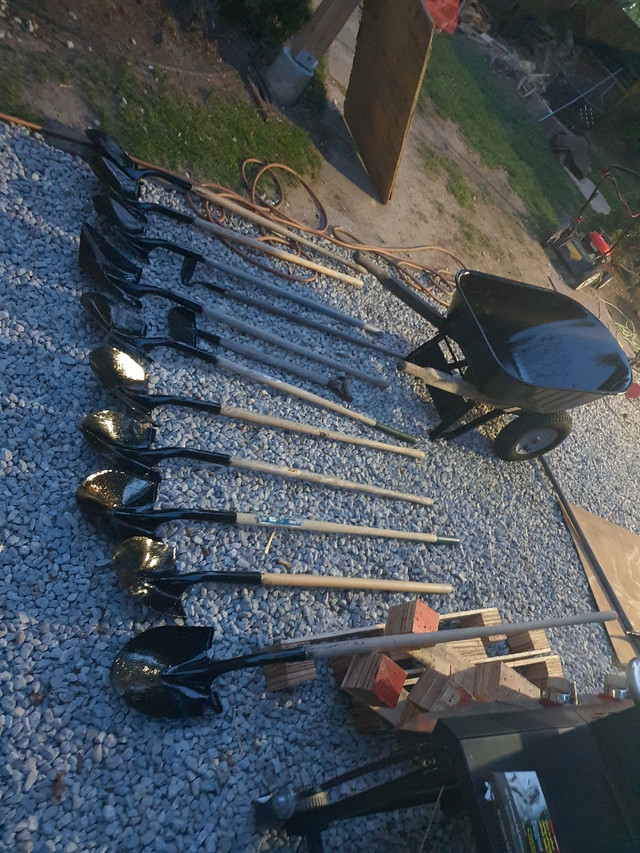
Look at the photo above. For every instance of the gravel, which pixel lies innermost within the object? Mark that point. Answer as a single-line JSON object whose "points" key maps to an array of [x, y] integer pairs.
{"points": [[81, 771]]}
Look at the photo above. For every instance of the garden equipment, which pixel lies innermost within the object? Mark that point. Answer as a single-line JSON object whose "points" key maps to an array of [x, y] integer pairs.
{"points": [[516, 348], [100, 259], [169, 671], [127, 329], [127, 442], [182, 322], [99, 309], [121, 505], [117, 170], [590, 258], [145, 245], [128, 378], [147, 569]]}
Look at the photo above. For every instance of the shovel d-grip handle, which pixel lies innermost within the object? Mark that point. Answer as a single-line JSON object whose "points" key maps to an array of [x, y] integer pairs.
{"points": [[145, 245]]}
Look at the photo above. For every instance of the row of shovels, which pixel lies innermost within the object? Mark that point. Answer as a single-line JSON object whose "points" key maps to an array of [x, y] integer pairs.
{"points": [[121, 501]]}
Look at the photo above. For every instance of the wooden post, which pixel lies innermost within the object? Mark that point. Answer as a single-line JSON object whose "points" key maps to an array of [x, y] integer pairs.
{"points": [[323, 27]]}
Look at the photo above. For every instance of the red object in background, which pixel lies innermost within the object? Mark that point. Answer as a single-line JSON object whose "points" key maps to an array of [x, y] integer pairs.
{"points": [[443, 13], [598, 242], [633, 391]]}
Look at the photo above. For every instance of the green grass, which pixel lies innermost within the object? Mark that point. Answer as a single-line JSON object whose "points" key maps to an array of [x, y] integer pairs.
{"points": [[457, 185], [11, 86], [463, 87], [208, 139], [48, 66]]}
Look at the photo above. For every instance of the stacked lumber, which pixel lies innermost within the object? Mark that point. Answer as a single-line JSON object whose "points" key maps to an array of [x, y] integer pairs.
{"points": [[393, 689]]}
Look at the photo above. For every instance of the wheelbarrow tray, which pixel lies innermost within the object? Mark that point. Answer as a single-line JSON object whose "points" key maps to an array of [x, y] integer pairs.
{"points": [[531, 348]]}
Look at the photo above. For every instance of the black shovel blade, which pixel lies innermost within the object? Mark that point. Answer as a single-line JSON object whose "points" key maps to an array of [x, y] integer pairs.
{"points": [[146, 568], [142, 554], [182, 325], [127, 218], [112, 317], [108, 427], [137, 673], [107, 146], [106, 491], [115, 368], [111, 175], [98, 255]]}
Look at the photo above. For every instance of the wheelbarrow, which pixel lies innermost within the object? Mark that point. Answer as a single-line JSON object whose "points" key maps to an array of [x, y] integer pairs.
{"points": [[516, 350]]}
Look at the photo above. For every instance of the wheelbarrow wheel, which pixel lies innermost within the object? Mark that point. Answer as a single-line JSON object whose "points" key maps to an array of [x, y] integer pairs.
{"points": [[531, 435]]}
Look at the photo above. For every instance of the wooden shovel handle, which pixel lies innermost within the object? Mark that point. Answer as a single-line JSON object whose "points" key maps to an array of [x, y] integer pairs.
{"points": [[318, 432], [333, 582], [223, 201], [326, 480], [264, 248], [252, 520]]}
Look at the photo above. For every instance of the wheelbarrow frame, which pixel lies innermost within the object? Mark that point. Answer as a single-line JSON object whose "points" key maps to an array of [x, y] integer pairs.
{"points": [[446, 371]]}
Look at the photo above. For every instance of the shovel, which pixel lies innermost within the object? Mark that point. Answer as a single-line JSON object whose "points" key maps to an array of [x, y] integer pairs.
{"points": [[127, 329], [127, 443], [147, 569], [128, 378], [100, 309], [144, 245], [117, 170], [98, 256], [121, 505], [182, 323], [169, 671]]}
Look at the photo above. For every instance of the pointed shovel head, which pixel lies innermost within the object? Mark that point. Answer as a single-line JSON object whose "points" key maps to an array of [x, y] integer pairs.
{"points": [[138, 669], [111, 175], [142, 554], [108, 427], [97, 254], [146, 567], [108, 147], [115, 368], [104, 492], [124, 217]]}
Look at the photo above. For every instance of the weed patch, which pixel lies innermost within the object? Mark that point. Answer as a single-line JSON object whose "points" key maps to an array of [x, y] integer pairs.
{"points": [[457, 185]]}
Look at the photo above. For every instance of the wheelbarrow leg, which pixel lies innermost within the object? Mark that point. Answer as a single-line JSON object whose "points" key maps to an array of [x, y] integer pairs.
{"points": [[450, 407]]}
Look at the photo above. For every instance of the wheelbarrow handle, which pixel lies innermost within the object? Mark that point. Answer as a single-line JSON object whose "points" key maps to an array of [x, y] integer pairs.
{"points": [[402, 292]]}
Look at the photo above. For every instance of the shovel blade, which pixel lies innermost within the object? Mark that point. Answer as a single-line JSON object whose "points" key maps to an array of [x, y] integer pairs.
{"points": [[138, 669], [142, 554], [118, 369], [182, 325]]}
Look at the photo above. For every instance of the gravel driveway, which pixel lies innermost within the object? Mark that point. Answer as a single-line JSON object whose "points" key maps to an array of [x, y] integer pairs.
{"points": [[82, 772]]}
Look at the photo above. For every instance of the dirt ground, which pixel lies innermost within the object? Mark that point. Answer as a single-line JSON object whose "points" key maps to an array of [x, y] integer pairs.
{"points": [[205, 57]]}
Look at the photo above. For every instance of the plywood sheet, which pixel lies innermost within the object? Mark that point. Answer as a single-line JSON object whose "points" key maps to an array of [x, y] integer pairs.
{"points": [[392, 51], [618, 552]]}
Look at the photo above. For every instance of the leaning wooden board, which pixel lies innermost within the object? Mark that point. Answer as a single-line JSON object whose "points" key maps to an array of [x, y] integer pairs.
{"points": [[392, 51], [618, 552]]}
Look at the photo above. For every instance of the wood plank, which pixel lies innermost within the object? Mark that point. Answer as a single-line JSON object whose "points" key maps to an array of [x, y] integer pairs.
{"points": [[620, 555], [323, 27], [497, 682], [392, 51]]}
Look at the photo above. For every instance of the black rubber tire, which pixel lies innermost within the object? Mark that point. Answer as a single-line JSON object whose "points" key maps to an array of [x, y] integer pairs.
{"points": [[531, 435]]}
